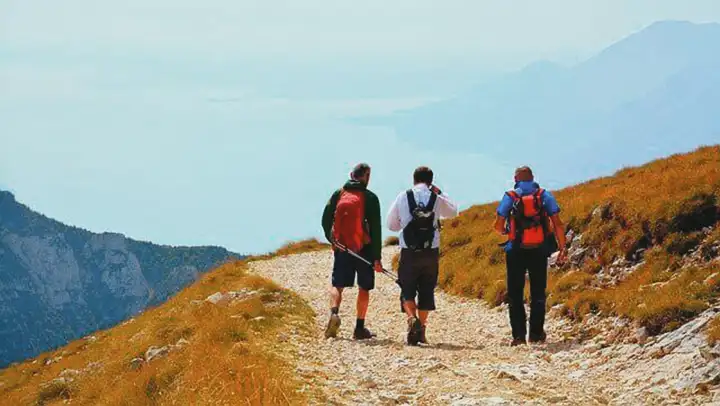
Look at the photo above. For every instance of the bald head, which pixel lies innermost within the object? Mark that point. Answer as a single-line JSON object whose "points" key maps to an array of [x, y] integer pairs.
{"points": [[524, 174]]}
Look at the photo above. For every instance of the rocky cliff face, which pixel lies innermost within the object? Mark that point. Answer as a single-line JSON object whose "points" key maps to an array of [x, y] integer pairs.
{"points": [[59, 283]]}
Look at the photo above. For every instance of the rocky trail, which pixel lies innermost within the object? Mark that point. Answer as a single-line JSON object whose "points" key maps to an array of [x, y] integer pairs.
{"points": [[468, 360]]}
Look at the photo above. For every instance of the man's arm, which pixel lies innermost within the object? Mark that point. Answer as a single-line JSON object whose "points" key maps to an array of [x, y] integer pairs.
{"points": [[559, 228], [393, 217], [499, 225], [503, 212], [446, 208], [553, 210], [329, 215], [373, 217]]}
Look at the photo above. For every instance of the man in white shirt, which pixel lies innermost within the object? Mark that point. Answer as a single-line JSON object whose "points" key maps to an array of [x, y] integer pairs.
{"points": [[415, 214]]}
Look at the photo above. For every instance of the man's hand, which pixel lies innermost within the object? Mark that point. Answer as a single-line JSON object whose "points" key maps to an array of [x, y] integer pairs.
{"points": [[562, 257], [337, 246], [499, 225], [378, 267]]}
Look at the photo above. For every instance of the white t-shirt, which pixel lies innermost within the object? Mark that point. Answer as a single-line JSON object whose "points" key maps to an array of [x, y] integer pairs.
{"points": [[399, 215]]}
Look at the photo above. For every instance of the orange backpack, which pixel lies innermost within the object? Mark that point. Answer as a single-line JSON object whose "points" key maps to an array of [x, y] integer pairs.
{"points": [[349, 226], [529, 222]]}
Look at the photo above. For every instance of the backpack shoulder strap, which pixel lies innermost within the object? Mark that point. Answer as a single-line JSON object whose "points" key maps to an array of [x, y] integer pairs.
{"points": [[336, 197], [411, 200], [513, 195], [539, 198], [431, 203]]}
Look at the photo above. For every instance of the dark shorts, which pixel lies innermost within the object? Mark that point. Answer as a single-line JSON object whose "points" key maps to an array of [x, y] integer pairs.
{"points": [[347, 266], [418, 274]]}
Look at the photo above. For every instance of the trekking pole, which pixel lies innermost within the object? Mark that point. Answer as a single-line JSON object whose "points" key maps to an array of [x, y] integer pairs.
{"points": [[358, 256]]}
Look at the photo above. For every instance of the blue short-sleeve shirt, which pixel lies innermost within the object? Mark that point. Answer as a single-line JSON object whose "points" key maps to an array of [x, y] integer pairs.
{"points": [[524, 189]]}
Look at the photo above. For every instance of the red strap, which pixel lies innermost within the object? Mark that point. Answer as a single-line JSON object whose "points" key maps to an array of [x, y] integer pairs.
{"points": [[513, 195], [538, 196]]}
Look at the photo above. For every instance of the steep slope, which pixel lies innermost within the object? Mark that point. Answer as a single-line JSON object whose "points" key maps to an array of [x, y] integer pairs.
{"points": [[610, 111], [218, 342], [646, 248], [58, 283]]}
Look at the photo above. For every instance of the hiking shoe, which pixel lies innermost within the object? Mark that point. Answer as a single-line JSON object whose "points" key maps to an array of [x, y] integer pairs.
{"points": [[333, 326], [414, 331], [518, 341], [537, 338], [423, 337], [362, 334]]}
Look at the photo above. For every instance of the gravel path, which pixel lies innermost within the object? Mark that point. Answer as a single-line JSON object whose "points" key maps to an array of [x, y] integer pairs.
{"points": [[468, 360]]}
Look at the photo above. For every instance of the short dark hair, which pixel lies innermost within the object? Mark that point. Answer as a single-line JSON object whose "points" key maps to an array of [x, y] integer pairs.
{"points": [[423, 174], [524, 173], [360, 170]]}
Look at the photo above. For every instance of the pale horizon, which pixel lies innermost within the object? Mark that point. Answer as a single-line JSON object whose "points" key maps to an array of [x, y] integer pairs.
{"points": [[185, 123]]}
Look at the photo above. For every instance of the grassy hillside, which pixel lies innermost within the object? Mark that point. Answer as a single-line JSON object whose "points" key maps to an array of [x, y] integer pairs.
{"points": [[714, 331], [299, 247], [650, 217], [229, 352]]}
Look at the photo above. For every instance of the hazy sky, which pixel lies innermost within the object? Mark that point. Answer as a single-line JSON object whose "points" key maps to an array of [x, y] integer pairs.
{"points": [[222, 122], [301, 31]]}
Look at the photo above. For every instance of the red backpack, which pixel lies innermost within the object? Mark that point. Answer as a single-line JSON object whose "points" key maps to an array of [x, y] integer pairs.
{"points": [[349, 226], [529, 222]]}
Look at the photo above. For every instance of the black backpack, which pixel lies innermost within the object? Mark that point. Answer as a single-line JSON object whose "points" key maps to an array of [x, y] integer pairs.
{"points": [[420, 232]]}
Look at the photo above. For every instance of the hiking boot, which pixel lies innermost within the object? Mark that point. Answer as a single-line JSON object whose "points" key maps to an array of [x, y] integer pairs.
{"points": [[362, 334], [414, 331], [423, 337], [518, 341], [537, 338], [333, 326]]}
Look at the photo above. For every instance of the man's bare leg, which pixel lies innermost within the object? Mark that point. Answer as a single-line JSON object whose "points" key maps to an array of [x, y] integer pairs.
{"points": [[335, 297], [410, 308], [334, 323], [423, 320], [423, 316], [363, 300]]}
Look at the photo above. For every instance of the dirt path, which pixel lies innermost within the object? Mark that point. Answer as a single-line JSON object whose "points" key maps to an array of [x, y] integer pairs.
{"points": [[468, 360]]}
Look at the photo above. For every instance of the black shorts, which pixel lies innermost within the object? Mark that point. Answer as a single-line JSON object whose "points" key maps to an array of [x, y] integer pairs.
{"points": [[418, 274], [347, 266]]}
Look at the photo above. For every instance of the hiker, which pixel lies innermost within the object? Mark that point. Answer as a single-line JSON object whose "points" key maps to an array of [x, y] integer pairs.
{"points": [[351, 221], [525, 215], [416, 214]]}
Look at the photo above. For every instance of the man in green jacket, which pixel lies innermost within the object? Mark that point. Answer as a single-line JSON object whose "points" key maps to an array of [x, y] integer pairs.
{"points": [[351, 221]]}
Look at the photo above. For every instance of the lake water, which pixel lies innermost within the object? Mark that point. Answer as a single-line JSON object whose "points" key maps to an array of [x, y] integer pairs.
{"points": [[247, 173]]}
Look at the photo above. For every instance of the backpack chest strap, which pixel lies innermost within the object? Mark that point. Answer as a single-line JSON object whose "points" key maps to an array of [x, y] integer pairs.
{"points": [[412, 203]]}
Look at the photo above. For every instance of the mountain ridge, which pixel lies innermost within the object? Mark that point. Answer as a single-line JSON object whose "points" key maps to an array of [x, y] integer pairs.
{"points": [[60, 282], [545, 110]]}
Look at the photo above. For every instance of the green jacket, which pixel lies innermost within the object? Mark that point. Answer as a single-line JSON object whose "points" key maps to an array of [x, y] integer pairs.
{"points": [[372, 216]]}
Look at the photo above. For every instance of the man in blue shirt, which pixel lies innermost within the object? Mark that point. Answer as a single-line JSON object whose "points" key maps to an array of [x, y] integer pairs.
{"points": [[530, 258]]}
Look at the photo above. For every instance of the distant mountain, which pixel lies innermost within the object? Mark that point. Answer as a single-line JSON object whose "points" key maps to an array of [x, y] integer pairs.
{"points": [[59, 283], [654, 93]]}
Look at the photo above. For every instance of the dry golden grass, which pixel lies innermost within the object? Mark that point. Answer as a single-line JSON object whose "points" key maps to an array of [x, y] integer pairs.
{"points": [[392, 241], [713, 333], [298, 247], [230, 359], [395, 264], [660, 206]]}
